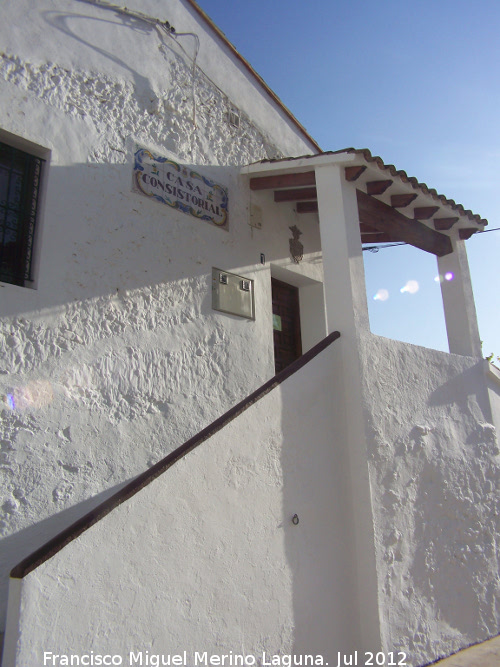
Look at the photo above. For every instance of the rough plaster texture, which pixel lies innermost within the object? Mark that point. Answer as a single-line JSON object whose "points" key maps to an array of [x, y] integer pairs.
{"points": [[116, 357], [492, 376], [114, 110], [434, 471], [207, 557], [120, 57]]}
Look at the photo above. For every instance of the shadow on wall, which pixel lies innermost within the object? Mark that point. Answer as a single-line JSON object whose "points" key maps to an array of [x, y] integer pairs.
{"points": [[319, 547], [100, 239], [110, 346], [214, 538], [61, 21], [16, 547], [97, 239], [434, 479], [461, 387]]}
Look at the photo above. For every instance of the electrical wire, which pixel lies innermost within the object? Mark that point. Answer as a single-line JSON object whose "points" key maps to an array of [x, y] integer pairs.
{"points": [[166, 28], [176, 35], [485, 231], [128, 12], [169, 30], [376, 248], [382, 246]]}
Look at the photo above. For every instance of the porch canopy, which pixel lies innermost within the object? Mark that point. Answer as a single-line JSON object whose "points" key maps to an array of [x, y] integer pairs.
{"points": [[360, 200], [392, 206]]}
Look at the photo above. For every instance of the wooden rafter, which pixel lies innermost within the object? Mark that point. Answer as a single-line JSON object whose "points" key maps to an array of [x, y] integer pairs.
{"points": [[466, 233], [400, 201], [378, 187], [379, 222], [352, 173], [283, 181], [424, 212], [385, 219], [368, 229], [377, 238], [442, 224], [307, 207], [296, 194]]}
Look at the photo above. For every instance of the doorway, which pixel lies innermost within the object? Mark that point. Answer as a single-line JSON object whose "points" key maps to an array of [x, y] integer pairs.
{"points": [[286, 324]]}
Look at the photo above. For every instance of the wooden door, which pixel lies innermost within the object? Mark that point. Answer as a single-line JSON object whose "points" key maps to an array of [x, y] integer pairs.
{"points": [[286, 324]]}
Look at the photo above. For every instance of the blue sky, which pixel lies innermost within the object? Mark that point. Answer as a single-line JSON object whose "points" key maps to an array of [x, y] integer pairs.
{"points": [[416, 83]]}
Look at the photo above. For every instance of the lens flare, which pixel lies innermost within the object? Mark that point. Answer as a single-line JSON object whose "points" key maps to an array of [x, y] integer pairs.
{"points": [[411, 287], [449, 275], [37, 394], [381, 295]]}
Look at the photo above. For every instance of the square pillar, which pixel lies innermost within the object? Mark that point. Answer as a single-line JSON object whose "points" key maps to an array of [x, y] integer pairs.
{"points": [[344, 274], [458, 302], [347, 312]]}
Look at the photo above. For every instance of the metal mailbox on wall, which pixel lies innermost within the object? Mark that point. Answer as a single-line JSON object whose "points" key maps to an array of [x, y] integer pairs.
{"points": [[232, 294]]}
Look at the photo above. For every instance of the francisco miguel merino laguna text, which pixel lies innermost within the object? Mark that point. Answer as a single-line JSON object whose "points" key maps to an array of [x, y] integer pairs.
{"points": [[147, 659]]}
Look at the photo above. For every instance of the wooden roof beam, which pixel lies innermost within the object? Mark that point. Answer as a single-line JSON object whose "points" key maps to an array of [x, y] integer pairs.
{"points": [[400, 201], [368, 229], [444, 223], [378, 187], [297, 194], [307, 207], [466, 233], [283, 181], [352, 173], [384, 218], [424, 212], [378, 238]]}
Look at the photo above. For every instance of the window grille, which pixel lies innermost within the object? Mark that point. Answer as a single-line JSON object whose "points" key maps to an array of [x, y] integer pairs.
{"points": [[19, 194]]}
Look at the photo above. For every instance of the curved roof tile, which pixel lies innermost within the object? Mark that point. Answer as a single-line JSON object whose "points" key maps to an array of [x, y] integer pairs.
{"points": [[416, 185], [365, 153]]}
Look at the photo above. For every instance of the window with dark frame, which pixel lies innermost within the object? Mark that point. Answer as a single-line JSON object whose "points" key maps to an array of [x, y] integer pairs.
{"points": [[19, 196]]}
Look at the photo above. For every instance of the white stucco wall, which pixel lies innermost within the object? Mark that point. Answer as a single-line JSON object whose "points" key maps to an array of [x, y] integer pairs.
{"points": [[434, 473], [65, 44], [116, 357], [492, 376], [206, 558]]}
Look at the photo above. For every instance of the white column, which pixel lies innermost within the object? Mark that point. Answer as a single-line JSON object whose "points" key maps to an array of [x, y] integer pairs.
{"points": [[347, 312], [345, 292], [458, 302]]}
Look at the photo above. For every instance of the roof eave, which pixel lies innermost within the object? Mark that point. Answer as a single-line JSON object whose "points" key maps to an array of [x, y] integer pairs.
{"points": [[363, 156], [254, 74]]}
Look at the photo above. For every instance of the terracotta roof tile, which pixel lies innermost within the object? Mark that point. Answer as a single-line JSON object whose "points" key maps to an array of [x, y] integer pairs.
{"points": [[366, 155]]}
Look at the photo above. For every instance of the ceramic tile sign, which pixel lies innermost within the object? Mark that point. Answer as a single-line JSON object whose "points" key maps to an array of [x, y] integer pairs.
{"points": [[180, 187]]}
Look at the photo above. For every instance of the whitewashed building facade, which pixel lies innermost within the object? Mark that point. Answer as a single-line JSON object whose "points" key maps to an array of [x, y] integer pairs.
{"points": [[171, 237]]}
